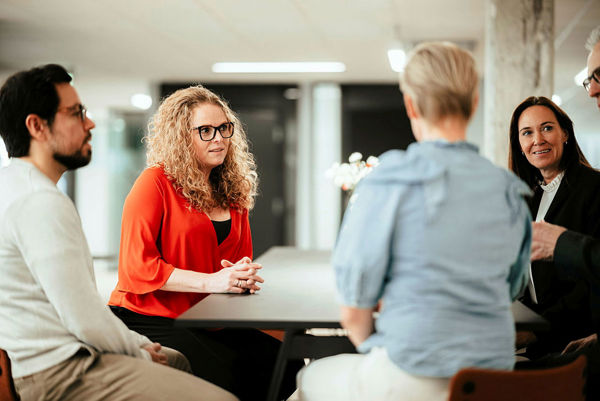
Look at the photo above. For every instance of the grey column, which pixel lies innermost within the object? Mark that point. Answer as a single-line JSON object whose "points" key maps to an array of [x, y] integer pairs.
{"points": [[318, 201], [304, 162], [519, 62], [326, 150]]}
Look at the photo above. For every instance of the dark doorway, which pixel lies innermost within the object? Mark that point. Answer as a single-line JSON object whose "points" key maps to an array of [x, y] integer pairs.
{"points": [[373, 120]]}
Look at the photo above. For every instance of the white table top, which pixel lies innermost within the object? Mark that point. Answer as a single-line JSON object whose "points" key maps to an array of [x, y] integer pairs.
{"points": [[298, 292]]}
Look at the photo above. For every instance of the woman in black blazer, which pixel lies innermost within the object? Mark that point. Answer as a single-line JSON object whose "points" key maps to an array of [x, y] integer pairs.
{"points": [[545, 154]]}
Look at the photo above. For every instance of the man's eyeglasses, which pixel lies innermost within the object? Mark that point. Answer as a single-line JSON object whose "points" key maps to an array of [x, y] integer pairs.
{"points": [[79, 110], [208, 132], [588, 81]]}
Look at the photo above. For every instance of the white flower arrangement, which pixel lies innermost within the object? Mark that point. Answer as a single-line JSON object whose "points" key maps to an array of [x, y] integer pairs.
{"points": [[347, 175]]}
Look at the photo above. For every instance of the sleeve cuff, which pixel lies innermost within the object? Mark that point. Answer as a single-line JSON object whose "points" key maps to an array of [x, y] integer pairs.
{"points": [[357, 303], [145, 355]]}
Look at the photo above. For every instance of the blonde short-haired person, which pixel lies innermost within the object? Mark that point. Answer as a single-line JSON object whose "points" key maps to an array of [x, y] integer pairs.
{"points": [[185, 233], [440, 237]]}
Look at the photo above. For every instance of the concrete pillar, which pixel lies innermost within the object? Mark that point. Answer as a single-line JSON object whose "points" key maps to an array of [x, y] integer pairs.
{"points": [[318, 201], [519, 62], [304, 190], [326, 149]]}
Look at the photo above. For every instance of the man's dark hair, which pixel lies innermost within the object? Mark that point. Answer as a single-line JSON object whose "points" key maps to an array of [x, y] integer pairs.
{"points": [[24, 93]]}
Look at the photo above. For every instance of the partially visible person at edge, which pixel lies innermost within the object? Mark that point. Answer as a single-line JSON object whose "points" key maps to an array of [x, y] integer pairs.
{"points": [[577, 255], [545, 154], [412, 240], [185, 234], [63, 342]]}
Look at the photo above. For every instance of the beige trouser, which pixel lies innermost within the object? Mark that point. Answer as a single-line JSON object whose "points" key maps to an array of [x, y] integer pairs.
{"points": [[91, 376]]}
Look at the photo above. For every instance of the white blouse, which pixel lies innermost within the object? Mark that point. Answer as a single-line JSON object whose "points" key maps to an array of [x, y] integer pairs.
{"points": [[550, 191]]}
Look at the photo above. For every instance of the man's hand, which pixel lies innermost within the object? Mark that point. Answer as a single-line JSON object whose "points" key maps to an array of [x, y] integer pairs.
{"points": [[544, 240], [581, 344], [157, 356]]}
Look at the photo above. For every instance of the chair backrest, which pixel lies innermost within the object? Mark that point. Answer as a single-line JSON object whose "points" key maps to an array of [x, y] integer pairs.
{"points": [[565, 383], [7, 388]]}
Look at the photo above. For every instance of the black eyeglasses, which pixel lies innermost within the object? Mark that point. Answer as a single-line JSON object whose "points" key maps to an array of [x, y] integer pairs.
{"points": [[78, 110], [588, 81], [208, 132]]}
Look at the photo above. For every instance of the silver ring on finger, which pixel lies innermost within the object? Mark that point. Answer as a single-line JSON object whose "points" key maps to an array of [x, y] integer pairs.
{"points": [[237, 283]]}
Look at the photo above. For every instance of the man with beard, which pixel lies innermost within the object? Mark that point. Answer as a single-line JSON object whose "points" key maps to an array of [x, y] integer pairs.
{"points": [[64, 343]]}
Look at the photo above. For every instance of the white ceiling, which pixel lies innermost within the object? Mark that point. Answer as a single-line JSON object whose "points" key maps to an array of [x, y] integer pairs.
{"points": [[179, 40], [174, 40]]}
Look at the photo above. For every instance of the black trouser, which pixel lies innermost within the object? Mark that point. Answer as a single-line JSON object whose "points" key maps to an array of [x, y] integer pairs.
{"points": [[593, 367], [238, 360]]}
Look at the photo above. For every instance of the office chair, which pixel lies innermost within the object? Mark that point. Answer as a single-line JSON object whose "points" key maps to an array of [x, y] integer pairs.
{"points": [[7, 387], [565, 383]]}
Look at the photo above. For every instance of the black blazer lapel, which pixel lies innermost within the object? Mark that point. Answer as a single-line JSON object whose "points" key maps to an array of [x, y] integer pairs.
{"points": [[534, 201], [559, 199]]}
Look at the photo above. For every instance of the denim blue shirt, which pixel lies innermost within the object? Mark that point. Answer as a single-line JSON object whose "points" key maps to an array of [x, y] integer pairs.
{"points": [[443, 237]]}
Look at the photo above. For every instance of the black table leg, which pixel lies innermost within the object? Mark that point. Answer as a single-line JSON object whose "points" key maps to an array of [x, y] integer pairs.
{"points": [[281, 364]]}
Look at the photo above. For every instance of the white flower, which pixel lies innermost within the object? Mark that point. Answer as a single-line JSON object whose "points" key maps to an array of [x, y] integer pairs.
{"points": [[372, 161], [347, 175], [362, 173], [332, 171], [355, 157]]}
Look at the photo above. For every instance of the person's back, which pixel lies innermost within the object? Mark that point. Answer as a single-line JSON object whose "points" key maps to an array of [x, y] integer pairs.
{"points": [[457, 231], [439, 238]]}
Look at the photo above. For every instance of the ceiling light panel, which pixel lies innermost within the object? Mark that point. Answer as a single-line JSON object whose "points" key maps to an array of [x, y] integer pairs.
{"points": [[278, 67]]}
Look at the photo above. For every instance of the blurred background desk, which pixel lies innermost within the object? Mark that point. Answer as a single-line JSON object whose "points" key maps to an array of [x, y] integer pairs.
{"points": [[299, 293]]}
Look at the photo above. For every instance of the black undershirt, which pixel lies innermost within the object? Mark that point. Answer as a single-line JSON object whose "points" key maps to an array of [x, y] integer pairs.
{"points": [[222, 228]]}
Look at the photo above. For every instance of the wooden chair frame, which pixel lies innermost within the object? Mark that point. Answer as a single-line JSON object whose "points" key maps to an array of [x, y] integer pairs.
{"points": [[7, 387], [565, 383]]}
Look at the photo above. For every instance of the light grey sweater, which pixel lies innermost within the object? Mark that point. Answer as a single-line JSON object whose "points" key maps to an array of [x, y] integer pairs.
{"points": [[49, 305]]}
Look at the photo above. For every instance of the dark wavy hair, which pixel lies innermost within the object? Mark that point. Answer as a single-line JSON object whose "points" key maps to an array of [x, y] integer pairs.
{"points": [[28, 92], [517, 162]]}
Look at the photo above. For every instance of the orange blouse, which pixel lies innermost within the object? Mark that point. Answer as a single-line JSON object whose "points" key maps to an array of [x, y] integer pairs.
{"points": [[159, 233]]}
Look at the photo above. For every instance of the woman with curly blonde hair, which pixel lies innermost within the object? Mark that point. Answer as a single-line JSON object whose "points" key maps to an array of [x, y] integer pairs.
{"points": [[185, 233]]}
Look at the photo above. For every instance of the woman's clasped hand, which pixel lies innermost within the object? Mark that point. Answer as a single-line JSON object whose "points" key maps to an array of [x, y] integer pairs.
{"points": [[236, 277]]}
